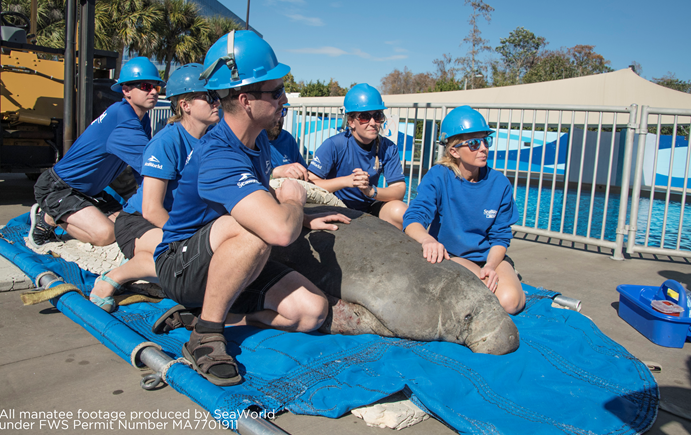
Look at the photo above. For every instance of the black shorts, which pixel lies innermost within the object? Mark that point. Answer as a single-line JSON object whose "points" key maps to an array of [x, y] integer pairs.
{"points": [[482, 263], [129, 228], [59, 200], [375, 208], [183, 269]]}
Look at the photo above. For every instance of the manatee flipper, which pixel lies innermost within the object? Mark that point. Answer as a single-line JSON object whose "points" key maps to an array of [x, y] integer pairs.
{"points": [[347, 318]]}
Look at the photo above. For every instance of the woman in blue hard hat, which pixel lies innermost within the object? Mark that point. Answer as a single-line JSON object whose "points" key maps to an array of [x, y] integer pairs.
{"points": [[138, 227], [71, 193], [468, 208], [350, 163]]}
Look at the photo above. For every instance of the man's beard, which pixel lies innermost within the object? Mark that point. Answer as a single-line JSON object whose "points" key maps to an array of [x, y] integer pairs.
{"points": [[275, 131]]}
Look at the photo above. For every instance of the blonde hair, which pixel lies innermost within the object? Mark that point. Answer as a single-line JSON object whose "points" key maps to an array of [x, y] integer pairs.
{"points": [[351, 117], [175, 106], [447, 159]]}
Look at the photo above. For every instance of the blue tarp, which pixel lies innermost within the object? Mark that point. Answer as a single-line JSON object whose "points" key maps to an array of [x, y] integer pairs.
{"points": [[566, 376]]}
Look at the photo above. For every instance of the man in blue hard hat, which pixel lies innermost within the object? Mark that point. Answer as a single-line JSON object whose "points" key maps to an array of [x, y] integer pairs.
{"points": [[225, 217], [71, 193], [287, 162]]}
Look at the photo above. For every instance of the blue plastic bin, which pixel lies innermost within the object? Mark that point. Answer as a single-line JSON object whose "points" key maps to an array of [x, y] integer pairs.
{"points": [[662, 329]]}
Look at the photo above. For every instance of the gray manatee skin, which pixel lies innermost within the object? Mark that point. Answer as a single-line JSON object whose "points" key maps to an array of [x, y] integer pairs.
{"points": [[371, 263]]}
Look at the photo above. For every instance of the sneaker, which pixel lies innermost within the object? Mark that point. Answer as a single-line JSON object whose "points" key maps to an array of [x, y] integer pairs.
{"points": [[40, 232]]}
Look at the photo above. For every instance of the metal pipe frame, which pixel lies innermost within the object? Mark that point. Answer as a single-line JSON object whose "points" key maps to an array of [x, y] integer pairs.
{"points": [[86, 64]]}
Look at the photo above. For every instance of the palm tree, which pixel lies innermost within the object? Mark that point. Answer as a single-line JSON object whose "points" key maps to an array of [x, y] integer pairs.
{"points": [[129, 24], [219, 26], [180, 35], [50, 19]]}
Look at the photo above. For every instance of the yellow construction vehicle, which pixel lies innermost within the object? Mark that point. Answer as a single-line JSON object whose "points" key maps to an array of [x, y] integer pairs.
{"points": [[32, 102]]}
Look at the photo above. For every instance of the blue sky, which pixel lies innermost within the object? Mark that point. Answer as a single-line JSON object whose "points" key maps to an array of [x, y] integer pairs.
{"points": [[360, 41]]}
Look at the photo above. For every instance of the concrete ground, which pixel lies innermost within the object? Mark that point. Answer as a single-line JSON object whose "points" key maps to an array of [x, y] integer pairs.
{"points": [[49, 363]]}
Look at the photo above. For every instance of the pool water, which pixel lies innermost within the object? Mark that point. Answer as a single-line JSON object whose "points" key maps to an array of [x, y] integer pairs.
{"points": [[596, 228]]}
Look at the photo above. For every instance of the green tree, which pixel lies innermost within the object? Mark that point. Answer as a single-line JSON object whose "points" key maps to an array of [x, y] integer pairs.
{"points": [[290, 83], [181, 34], [470, 64], [335, 90], [130, 25], [50, 20], [445, 75], [577, 61], [316, 89], [671, 81], [519, 52], [587, 62], [552, 65], [219, 26]]}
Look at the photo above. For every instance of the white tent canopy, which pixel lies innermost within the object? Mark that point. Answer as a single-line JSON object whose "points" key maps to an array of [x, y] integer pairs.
{"points": [[615, 89]]}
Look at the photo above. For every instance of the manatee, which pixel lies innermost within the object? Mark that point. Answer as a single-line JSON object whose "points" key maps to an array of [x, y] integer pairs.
{"points": [[396, 292]]}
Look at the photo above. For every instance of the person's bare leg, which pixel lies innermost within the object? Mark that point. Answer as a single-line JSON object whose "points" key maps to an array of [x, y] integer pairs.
{"points": [[393, 212], [141, 266], [238, 258], [292, 304], [509, 292], [89, 225]]}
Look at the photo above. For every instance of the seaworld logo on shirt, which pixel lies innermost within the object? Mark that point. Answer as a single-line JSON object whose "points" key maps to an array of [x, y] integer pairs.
{"points": [[189, 156], [152, 162], [100, 118], [245, 179], [317, 163], [490, 214], [267, 166]]}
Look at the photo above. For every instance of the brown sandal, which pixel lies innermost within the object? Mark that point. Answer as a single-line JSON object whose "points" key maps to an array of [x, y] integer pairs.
{"points": [[207, 353], [174, 318]]}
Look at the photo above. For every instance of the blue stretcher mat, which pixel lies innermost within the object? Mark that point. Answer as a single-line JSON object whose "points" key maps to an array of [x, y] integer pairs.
{"points": [[566, 377]]}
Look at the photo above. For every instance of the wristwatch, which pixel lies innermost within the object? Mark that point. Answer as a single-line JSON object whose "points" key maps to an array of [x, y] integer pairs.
{"points": [[374, 191]]}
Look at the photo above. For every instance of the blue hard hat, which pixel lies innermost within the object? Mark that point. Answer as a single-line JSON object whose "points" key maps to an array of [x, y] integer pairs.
{"points": [[363, 98], [138, 69], [241, 58], [185, 80], [463, 120]]}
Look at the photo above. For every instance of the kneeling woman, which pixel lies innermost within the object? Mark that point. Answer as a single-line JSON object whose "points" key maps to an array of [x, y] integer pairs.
{"points": [[469, 208], [138, 227], [350, 163]]}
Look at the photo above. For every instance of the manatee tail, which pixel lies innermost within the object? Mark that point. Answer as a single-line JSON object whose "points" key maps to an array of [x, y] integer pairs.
{"points": [[351, 319]]}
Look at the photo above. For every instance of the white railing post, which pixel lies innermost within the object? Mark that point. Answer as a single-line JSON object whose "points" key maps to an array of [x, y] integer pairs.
{"points": [[625, 185], [637, 182]]}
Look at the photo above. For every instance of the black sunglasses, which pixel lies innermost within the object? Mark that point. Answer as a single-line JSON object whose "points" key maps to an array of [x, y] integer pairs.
{"points": [[365, 117], [211, 97], [275, 94], [475, 144], [145, 86]]}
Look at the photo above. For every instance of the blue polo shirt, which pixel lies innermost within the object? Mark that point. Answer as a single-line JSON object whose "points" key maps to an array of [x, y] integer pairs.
{"points": [[114, 140], [467, 218], [285, 150], [220, 172], [164, 158], [339, 155]]}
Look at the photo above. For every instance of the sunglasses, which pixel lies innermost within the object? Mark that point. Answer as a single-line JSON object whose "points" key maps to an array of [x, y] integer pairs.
{"points": [[275, 94], [210, 96], [145, 86], [475, 144], [284, 111], [365, 117]]}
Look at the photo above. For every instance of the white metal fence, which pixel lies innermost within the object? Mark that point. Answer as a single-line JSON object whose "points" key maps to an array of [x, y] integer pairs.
{"points": [[577, 171]]}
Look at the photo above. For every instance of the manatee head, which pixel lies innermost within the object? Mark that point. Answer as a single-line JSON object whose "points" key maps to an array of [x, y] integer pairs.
{"points": [[479, 321]]}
